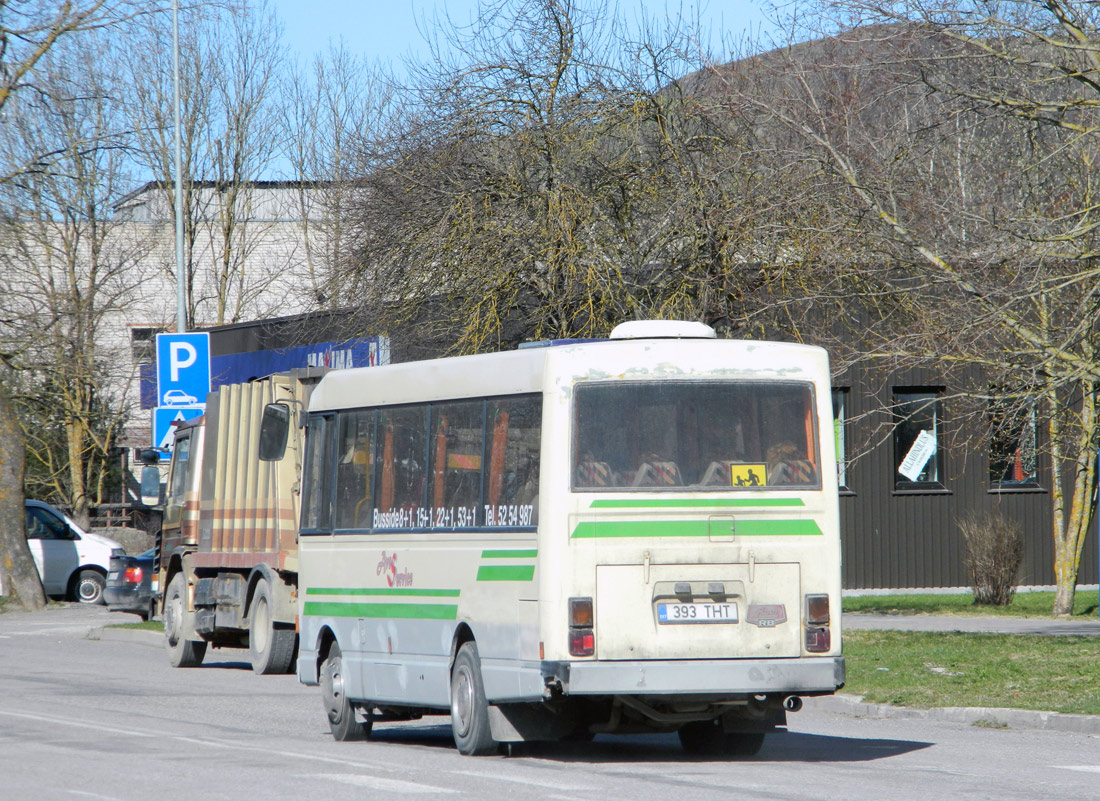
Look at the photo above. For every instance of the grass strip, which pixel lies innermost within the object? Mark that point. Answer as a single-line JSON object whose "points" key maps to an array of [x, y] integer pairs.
{"points": [[1024, 604], [934, 669]]}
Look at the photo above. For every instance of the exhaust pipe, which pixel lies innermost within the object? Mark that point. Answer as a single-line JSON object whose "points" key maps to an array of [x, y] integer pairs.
{"points": [[792, 703]]}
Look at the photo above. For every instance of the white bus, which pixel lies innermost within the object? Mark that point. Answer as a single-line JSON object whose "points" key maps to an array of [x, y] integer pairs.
{"points": [[637, 534]]}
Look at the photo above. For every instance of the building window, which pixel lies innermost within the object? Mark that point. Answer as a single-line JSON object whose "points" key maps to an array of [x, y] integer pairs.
{"points": [[918, 435], [840, 420], [143, 344], [1012, 449]]}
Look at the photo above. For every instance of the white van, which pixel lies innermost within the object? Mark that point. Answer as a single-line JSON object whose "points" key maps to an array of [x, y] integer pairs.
{"points": [[72, 563]]}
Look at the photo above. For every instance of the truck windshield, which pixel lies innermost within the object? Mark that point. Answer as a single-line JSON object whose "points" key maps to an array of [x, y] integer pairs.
{"points": [[694, 435]]}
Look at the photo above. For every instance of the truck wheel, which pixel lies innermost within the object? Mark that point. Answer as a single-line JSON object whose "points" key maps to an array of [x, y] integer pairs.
{"points": [[182, 652], [270, 647], [89, 586], [469, 709], [341, 714]]}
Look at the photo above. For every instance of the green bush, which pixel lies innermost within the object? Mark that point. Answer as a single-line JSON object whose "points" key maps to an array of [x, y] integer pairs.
{"points": [[994, 552]]}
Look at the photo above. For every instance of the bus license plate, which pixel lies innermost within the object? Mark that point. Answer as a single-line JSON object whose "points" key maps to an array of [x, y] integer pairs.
{"points": [[697, 613]]}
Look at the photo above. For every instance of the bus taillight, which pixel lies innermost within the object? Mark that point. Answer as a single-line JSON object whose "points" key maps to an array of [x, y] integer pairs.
{"points": [[582, 639], [818, 637]]}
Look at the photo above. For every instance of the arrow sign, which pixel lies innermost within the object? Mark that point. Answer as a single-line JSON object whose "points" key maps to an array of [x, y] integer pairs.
{"points": [[165, 416]]}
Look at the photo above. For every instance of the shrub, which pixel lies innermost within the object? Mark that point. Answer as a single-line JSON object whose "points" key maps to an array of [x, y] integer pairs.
{"points": [[994, 552]]}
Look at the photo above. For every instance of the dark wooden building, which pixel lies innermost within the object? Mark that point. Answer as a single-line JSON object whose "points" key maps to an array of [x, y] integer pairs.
{"points": [[902, 531]]}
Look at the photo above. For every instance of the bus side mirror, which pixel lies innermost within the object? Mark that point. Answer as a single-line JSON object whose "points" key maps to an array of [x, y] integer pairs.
{"points": [[274, 428]]}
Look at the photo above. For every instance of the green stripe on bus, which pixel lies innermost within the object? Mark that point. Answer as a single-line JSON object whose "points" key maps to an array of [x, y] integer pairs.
{"points": [[505, 572], [683, 503], [509, 554], [692, 528], [392, 591], [407, 611]]}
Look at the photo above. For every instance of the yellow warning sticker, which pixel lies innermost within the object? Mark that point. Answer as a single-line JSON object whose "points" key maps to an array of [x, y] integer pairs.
{"points": [[749, 475]]}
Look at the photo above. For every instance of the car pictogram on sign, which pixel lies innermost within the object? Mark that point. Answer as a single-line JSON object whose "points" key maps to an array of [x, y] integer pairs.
{"points": [[177, 397]]}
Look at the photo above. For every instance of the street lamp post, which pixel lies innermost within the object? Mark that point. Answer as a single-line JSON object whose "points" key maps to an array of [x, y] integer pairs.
{"points": [[181, 286]]}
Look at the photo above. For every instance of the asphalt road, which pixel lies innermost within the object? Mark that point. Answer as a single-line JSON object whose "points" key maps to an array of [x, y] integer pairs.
{"points": [[109, 719]]}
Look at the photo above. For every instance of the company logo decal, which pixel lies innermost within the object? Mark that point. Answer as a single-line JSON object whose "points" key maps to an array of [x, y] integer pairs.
{"points": [[766, 616], [394, 577]]}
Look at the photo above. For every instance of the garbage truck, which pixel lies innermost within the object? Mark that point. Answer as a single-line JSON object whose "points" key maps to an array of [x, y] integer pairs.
{"points": [[227, 551]]}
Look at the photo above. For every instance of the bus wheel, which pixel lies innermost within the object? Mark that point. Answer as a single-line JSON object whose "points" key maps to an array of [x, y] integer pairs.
{"points": [[469, 709], [182, 652], [744, 743], [270, 648], [341, 714], [707, 738]]}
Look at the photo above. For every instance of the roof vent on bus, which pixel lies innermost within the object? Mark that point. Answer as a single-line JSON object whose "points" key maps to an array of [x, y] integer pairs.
{"points": [[662, 329]]}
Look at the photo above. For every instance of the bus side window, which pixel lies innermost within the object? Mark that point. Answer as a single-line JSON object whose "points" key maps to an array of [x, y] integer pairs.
{"points": [[402, 466], [355, 457], [456, 447], [316, 478], [514, 428]]}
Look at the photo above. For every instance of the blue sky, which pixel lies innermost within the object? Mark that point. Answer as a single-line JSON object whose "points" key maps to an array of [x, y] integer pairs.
{"points": [[386, 29]]}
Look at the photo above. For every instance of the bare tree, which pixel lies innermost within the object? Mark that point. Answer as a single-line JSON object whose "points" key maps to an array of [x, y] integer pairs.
{"points": [[68, 271], [551, 175], [962, 140], [330, 113], [230, 58], [28, 34]]}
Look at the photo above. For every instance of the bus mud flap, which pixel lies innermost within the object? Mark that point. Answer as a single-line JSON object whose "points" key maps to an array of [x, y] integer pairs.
{"points": [[516, 723]]}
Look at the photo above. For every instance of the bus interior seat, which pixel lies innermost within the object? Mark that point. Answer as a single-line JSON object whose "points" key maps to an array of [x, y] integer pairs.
{"points": [[595, 474], [658, 474]]}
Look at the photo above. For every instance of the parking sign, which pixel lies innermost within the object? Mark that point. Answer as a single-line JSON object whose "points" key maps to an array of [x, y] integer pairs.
{"points": [[183, 369]]}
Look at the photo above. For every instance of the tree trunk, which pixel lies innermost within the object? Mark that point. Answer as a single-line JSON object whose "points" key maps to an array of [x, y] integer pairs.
{"points": [[1071, 526], [77, 465], [18, 574]]}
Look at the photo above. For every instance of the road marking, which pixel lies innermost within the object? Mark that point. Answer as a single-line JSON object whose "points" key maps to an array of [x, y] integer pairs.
{"points": [[69, 722], [1082, 768], [559, 786], [380, 784]]}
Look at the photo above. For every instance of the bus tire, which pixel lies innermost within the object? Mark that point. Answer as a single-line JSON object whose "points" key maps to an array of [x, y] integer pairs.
{"points": [[270, 647], [182, 653], [745, 743], [341, 714], [469, 708]]}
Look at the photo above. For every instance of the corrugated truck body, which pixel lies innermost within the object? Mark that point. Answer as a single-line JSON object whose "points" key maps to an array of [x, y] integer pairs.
{"points": [[230, 537]]}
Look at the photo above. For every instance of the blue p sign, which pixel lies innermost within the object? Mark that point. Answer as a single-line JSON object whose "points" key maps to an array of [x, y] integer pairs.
{"points": [[180, 355], [183, 369]]}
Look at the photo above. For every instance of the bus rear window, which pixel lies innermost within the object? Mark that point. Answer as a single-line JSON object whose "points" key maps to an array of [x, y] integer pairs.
{"points": [[694, 435]]}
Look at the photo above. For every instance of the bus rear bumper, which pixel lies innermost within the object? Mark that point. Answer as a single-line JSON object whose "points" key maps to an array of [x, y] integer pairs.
{"points": [[720, 677]]}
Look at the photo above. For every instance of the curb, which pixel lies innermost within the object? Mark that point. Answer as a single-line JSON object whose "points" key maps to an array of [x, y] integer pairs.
{"points": [[990, 717]]}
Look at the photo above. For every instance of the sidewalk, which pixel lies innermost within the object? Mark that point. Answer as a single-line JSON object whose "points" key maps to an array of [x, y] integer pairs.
{"points": [[853, 706], [990, 624]]}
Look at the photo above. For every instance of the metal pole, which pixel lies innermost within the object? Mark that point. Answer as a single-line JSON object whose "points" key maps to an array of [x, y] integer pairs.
{"points": [[181, 285]]}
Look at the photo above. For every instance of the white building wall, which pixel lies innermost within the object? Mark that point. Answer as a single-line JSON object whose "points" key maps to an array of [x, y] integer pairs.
{"points": [[272, 273]]}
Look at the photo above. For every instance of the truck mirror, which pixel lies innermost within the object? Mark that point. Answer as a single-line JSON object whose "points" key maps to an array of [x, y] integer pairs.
{"points": [[274, 428], [150, 485], [149, 456]]}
